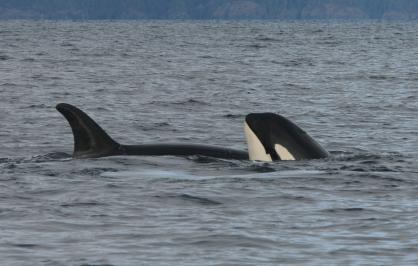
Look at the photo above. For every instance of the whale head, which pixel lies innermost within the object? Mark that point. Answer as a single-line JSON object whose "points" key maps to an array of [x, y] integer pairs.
{"points": [[272, 137]]}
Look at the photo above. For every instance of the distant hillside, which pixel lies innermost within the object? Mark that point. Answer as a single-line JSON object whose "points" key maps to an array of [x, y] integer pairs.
{"points": [[208, 9]]}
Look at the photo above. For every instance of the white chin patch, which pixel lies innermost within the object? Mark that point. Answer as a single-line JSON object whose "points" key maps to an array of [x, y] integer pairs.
{"points": [[256, 151], [283, 153]]}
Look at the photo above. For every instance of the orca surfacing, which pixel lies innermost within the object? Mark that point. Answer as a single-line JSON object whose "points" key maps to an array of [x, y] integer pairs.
{"points": [[270, 137]]}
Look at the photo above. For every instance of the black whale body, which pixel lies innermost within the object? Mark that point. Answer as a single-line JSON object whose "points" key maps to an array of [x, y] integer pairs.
{"points": [[271, 130]]}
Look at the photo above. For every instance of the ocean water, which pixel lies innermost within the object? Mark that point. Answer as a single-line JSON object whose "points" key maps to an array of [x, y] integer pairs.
{"points": [[352, 86]]}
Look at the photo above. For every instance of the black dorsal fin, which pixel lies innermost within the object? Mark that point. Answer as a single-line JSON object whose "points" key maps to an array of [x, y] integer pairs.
{"points": [[90, 140]]}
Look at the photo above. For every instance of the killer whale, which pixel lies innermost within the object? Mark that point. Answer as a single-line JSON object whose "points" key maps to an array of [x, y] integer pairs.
{"points": [[270, 137]]}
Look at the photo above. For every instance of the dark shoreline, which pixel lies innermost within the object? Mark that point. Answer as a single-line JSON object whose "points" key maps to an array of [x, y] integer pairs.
{"points": [[208, 10]]}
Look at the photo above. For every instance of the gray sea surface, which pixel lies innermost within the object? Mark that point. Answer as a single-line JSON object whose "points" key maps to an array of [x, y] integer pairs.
{"points": [[353, 86]]}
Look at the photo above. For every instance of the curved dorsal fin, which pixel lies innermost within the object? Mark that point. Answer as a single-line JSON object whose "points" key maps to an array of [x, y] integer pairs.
{"points": [[90, 140]]}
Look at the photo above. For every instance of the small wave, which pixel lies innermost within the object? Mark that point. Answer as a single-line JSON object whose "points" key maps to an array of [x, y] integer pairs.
{"points": [[101, 108], [385, 178], [24, 245], [154, 126], [5, 160], [264, 168], [41, 77], [203, 159], [266, 39], [192, 199], [335, 62], [4, 57], [317, 31], [218, 240], [233, 115], [257, 46], [207, 57], [370, 167], [330, 42], [381, 77], [94, 171], [186, 102], [192, 101], [52, 156], [38, 106], [208, 159], [82, 204], [200, 200], [8, 84], [363, 164], [340, 210], [298, 62], [345, 156], [288, 197], [297, 86], [67, 44]]}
